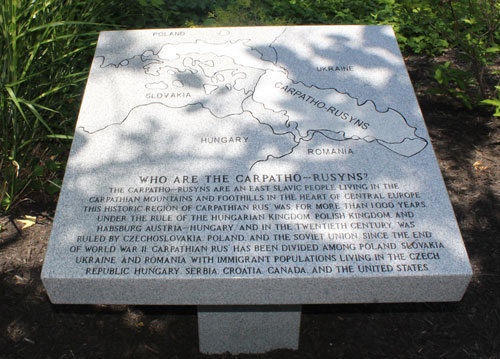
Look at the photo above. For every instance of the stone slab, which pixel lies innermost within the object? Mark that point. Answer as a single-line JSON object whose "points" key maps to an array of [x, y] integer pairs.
{"points": [[262, 165], [248, 329]]}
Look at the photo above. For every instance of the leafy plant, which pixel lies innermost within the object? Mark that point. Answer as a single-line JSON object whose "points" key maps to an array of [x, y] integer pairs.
{"points": [[472, 29], [299, 12], [494, 102], [43, 45], [455, 82]]}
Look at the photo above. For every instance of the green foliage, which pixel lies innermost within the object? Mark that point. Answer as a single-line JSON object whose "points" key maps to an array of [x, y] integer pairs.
{"points": [[302, 12], [142, 14], [43, 46], [454, 82], [494, 102], [469, 27]]}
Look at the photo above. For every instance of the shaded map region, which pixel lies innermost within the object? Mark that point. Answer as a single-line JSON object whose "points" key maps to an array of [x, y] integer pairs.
{"points": [[159, 134], [233, 80], [310, 109]]}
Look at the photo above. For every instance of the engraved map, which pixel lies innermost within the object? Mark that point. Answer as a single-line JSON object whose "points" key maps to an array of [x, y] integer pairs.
{"points": [[240, 90]]}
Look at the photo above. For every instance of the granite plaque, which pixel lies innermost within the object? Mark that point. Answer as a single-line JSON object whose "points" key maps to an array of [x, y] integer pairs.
{"points": [[262, 165]]}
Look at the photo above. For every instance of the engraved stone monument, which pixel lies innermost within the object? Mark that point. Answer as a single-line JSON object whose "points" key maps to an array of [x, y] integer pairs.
{"points": [[249, 171]]}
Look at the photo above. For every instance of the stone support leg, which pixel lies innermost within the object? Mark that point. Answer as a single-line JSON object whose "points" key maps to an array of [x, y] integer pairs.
{"points": [[248, 329]]}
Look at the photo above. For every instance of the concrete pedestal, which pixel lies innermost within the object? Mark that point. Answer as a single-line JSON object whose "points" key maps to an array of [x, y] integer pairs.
{"points": [[248, 329]]}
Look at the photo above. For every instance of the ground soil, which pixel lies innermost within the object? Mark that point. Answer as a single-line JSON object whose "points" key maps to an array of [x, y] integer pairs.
{"points": [[467, 145]]}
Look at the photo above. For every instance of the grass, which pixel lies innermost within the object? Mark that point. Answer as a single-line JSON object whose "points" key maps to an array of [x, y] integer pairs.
{"points": [[43, 48]]}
